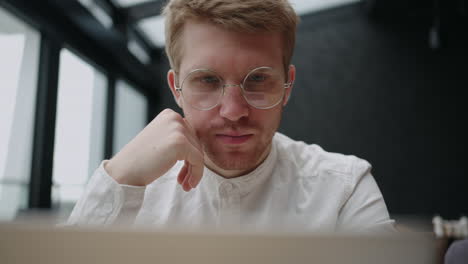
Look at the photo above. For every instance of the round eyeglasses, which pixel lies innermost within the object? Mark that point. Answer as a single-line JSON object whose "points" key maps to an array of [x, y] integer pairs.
{"points": [[262, 88]]}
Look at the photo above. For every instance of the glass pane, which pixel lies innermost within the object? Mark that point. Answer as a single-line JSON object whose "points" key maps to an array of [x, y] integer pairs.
{"points": [[11, 52], [19, 53], [79, 131], [138, 51], [14, 198], [154, 29], [127, 3], [130, 115]]}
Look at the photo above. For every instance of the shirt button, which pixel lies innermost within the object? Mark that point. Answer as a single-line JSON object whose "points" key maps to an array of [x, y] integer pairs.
{"points": [[226, 187]]}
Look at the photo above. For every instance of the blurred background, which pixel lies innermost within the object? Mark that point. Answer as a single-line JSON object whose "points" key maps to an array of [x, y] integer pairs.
{"points": [[382, 80]]}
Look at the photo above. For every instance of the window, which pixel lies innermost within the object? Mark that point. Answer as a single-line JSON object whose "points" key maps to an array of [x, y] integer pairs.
{"points": [[19, 53], [130, 114], [80, 127]]}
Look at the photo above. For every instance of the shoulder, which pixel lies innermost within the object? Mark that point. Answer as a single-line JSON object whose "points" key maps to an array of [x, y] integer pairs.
{"points": [[310, 160]]}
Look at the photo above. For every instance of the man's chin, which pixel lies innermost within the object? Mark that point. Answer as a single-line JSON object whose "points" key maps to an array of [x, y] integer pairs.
{"points": [[236, 162]]}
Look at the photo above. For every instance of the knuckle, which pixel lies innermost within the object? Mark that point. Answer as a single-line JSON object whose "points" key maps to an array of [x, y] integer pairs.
{"points": [[169, 115], [178, 127], [178, 140], [177, 117], [162, 116], [167, 111]]}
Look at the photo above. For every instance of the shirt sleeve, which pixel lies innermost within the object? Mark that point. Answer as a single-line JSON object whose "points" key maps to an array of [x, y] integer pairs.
{"points": [[106, 202], [365, 209]]}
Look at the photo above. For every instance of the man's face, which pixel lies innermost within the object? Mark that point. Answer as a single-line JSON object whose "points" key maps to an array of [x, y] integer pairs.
{"points": [[236, 137]]}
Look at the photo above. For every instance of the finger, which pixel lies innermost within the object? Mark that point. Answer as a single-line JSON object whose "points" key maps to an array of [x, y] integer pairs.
{"points": [[195, 159], [196, 175], [183, 173], [186, 185], [191, 182]]}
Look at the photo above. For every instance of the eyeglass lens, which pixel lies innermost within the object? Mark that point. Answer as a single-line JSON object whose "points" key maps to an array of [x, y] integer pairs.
{"points": [[262, 88]]}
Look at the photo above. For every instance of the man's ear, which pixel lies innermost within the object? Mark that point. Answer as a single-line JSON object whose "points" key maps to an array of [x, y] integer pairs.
{"points": [[171, 80], [291, 78]]}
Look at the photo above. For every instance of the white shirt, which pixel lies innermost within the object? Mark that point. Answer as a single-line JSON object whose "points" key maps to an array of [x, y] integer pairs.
{"points": [[297, 187]]}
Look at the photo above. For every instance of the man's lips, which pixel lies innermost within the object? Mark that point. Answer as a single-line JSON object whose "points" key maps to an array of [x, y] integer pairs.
{"points": [[233, 138]]}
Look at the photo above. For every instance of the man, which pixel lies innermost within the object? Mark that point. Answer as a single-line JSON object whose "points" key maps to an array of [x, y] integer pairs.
{"points": [[222, 163]]}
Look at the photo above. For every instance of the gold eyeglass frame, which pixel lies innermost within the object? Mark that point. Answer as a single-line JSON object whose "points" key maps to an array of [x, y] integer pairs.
{"points": [[223, 86]]}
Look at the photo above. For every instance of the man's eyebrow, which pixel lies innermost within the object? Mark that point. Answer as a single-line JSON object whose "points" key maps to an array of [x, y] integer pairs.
{"points": [[244, 72], [199, 66]]}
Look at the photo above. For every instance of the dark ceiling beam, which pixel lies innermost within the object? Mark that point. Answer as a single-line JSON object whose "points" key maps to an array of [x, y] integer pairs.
{"points": [[139, 36], [108, 6], [144, 10], [130, 30]]}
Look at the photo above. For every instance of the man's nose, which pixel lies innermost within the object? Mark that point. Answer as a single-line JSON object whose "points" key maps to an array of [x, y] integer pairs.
{"points": [[233, 104]]}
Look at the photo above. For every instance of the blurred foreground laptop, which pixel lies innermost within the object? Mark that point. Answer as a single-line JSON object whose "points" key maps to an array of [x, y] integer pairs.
{"points": [[28, 243]]}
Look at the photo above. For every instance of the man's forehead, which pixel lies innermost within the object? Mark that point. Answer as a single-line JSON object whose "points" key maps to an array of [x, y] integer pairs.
{"points": [[226, 69], [210, 47]]}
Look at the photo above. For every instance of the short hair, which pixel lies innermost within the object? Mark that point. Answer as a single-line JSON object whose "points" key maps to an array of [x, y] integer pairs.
{"points": [[236, 15]]}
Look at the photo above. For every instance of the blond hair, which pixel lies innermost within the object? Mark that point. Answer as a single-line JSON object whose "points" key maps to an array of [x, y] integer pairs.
{"points": [[235, 15]]}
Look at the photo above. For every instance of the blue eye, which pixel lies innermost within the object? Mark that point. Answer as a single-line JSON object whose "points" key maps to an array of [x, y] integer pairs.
{"points": [[257, 78], [210, 79]]}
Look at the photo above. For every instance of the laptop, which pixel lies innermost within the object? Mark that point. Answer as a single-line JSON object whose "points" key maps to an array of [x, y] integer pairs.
{"points": [[32, 243]]}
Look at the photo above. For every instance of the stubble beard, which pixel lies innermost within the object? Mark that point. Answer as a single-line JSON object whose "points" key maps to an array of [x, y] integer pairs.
{"points": [[240, 160]]}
